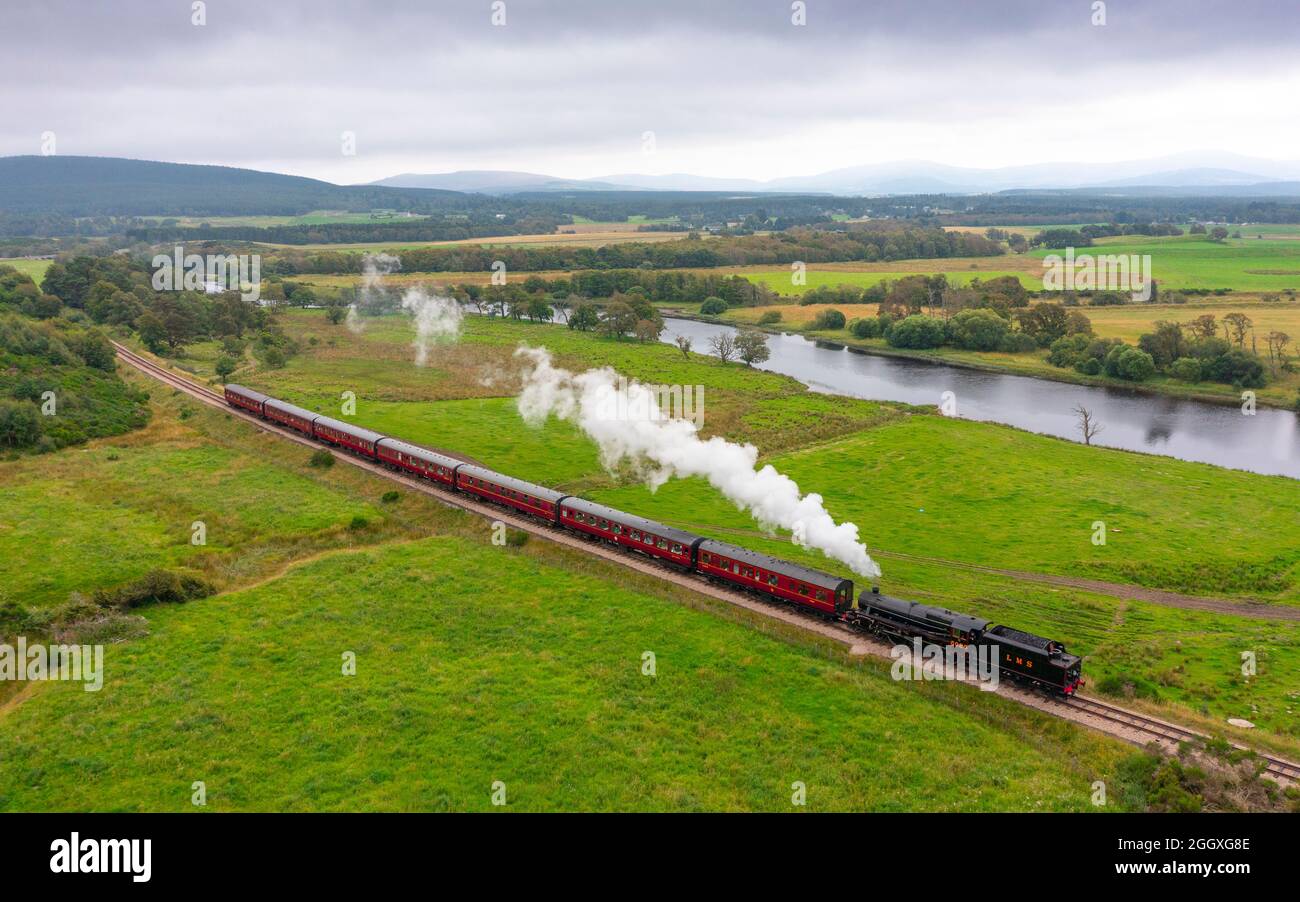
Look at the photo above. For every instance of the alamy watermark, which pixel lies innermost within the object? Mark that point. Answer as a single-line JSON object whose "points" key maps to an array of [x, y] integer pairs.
{"points": [[36, 662], [1098, 272], [652, 403], [926, 661], [209, 272]]}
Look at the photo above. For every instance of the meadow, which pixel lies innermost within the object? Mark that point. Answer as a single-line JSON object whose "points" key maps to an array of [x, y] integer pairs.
{"points": [[906, 477], [474, 663], [33, 268]]}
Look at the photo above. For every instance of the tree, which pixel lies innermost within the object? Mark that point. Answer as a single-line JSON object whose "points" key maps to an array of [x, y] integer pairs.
{"points": [[335, 313], [684, 345], [723, 345], [1045, 322], [1088, 425], [751, 346], [1166, 344], [619, 319], [20, 423], [583, 318], [978, 330], [648, 329], [1277, 342], [539, 309], [1218, 233], [225, 366], [713, 306], [152, 331], [1237, 324], [1204, 326]]}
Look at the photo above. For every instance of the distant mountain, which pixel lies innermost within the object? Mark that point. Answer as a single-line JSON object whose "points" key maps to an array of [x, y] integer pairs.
{"points": [[111, 186], [496, 181], [1225, 172]]}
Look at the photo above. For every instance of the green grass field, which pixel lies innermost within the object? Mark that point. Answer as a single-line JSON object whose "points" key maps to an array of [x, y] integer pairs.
{"points": [[904, 478], [33, 268], [475, 663]]}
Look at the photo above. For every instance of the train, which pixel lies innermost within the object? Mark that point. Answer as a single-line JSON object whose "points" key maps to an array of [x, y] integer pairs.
{"points": [[1024, 657]]}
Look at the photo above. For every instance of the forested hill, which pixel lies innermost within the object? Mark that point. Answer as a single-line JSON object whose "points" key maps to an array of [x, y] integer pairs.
{"points": [[109, 186]]}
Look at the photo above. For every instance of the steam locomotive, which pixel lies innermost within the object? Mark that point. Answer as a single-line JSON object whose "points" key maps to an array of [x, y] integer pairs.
{"points": [[1039, 662]]}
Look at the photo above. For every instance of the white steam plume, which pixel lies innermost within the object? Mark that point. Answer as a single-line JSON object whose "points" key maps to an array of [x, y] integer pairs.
{"points": [[661, 448], [373, 269], [437, 318]]}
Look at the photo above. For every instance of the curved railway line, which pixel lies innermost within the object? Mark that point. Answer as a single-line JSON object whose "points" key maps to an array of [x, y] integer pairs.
{"points": [[1121, 723]]}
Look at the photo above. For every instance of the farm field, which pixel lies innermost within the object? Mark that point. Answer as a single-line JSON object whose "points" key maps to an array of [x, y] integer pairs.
{"points": [[1221, 533], [472, 669], [34, 268], [1127, 322]]}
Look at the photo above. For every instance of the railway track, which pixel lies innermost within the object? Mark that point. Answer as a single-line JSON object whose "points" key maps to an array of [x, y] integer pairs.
{"points": [[1170, 734], [1130, 726]]}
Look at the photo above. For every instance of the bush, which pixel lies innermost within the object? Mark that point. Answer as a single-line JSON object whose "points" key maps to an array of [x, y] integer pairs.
{"points": [[771, 316], [916, 332], [1235, 368], [321, 458], [154, 587], [1129, 363], [1186, 369], [829, 319], [978, 330], [868, 327], [358, 523], [389, 497], [713, 306]]}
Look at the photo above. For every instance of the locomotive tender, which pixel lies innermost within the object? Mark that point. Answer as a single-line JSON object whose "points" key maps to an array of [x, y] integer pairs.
{"points": [[1041, 662]]}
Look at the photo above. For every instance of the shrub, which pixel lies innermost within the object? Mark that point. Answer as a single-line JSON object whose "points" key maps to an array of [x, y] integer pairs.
{"points": [[978, 330], [868, 327], [154, 587], [771, 316], [1129, 363], [713, 306], [358, 523], [916, 332], [829, 319], [1186, 369], [389, 497], [1236, 368], [321, 458]]}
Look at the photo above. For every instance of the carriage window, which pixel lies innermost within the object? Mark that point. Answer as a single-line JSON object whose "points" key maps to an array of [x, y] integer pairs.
{"points": [[618, 530], [676, 549], [662, 543], [735, 567], [649, 539], [803, 590], [604, 524], [821, 596], [704, 556], [749, 573], [771, 578], [636, 536]]}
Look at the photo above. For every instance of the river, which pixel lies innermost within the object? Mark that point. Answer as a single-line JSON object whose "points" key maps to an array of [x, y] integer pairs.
{"points": [[1267, 441]]}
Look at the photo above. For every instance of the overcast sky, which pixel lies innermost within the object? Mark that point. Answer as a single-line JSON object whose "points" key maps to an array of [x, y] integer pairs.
{"points": [[728, 88]]}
